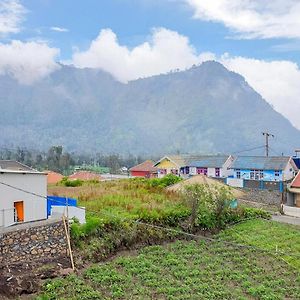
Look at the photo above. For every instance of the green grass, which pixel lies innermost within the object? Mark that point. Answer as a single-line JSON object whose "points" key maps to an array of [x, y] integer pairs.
{"points": [[194, 269], [268, 235]]}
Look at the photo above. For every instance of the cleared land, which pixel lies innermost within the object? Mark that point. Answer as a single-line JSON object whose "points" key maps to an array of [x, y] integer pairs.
{"points": [[194, 269]]}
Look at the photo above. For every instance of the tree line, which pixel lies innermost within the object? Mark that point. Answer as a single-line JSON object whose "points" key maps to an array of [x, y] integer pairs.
{"points": [[58, 160]]}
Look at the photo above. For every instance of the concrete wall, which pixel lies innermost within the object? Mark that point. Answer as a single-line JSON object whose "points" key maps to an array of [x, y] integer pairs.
{"points": [[291, 211], [28, 242], [235, 182], [35, 208], [73, 212]]}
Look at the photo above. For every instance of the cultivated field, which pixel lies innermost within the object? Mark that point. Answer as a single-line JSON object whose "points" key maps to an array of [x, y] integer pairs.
{"points": [[192, 270], [254, 259]]}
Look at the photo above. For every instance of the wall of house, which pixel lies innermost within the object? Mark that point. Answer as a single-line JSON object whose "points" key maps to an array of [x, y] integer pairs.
{"points": [[35, 208], [140, 173], [31, 243], [269, 175], [226, 170], [289, 172], [167, 165]]}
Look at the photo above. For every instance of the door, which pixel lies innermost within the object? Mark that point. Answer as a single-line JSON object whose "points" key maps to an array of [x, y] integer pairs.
{"points": [[19, 208]]}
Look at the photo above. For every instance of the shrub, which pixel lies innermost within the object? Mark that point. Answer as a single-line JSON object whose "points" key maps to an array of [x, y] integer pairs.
{"points": [[164, 181], [72, 183]]}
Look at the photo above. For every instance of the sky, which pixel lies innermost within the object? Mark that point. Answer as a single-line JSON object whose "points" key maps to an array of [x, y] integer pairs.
{"points": [[131, 39]]}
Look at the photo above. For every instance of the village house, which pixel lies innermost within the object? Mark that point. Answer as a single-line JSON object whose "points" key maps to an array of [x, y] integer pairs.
{"points": [[191, 164], [293, 197], [262, 172], [145, 169], [211, 165], [171, 164], [23, 193]]}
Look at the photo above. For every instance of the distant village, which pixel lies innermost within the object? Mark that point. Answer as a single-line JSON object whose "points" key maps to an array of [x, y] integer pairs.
{"points": [[24, 189]]}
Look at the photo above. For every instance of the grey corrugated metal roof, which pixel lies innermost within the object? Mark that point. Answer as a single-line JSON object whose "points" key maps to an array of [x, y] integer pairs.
{"points": [[194, 160], [260, 162], [14, 165], [208, 161]]}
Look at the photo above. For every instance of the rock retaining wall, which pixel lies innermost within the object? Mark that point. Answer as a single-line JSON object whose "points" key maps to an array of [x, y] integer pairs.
{"points": [[40, 242]]}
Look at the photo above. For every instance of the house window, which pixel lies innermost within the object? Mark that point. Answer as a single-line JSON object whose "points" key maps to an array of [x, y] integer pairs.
{"points": [[238, 174], [217, 172], [277, 173], [252, 174]]}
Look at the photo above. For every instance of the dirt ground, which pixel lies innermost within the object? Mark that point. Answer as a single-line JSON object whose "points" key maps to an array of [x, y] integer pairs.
{"points": [[26, 278]]}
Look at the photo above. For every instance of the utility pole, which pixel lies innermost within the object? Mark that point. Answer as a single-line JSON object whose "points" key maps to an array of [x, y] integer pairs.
{"points": [[267, 135]]}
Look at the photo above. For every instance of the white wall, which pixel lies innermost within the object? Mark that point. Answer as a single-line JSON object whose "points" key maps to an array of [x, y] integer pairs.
{"points": [[73, 212], [235, 182], [225, 171], [288, 174], [35, 208], [291, 211]]}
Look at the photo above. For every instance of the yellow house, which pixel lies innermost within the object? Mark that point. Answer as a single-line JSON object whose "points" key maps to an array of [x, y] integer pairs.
{"points": [[170, 165]]}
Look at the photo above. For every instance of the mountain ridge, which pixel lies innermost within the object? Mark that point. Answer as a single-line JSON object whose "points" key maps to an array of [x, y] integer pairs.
{"points": [[205, 109]]}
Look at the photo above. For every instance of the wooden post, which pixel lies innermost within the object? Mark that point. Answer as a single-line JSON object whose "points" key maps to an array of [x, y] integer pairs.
{"points": [[69, 243]]}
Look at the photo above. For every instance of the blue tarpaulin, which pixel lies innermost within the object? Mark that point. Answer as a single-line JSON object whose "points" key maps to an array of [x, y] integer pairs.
{"points": [[59, 201]]}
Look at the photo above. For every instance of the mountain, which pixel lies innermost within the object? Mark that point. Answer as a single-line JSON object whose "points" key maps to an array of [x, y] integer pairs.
{"points": [[206, 109]]}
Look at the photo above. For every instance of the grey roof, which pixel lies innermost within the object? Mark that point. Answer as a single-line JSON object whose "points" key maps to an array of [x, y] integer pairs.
{"points": [[14, 166], [193, 160], [208, 161], [260, 162]]}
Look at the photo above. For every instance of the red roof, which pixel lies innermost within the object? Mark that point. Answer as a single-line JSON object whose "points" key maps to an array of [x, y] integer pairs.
{"points": [[146, 166], [85, 175], [53, 177], [296, 182]]}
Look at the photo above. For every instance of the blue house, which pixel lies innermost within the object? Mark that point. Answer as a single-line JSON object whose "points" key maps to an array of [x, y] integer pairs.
{"points": [[261, 168]]}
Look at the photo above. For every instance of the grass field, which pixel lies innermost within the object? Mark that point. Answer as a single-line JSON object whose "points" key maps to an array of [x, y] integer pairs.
{"points": [[193, 270], [124, 198]]}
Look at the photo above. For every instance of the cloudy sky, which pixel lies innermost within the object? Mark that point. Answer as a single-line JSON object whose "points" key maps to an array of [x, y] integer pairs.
{"points": [[259, 39]]}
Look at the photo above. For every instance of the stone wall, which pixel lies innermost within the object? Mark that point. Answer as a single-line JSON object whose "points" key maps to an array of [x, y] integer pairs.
{"points": [[40, 241], [262, 196]]}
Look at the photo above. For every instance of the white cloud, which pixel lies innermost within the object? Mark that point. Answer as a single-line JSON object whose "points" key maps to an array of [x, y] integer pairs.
{"points": [[27, 62], [12, 14], [59, 29], [252, 18], [166, 50], [277, 81]]}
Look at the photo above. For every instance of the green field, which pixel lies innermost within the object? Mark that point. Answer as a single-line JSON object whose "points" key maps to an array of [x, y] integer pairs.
{"points": [[194, 269]]}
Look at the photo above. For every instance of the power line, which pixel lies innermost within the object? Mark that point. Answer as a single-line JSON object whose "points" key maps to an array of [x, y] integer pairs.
{"points": [[161, 227], [247, 150]]}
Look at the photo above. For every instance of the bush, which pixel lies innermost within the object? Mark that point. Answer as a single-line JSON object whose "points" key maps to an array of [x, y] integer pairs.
{"points": [[72, 183], [165, 181]]}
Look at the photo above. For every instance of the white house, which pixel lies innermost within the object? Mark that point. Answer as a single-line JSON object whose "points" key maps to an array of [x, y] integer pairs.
{"points": [[23, 193]]}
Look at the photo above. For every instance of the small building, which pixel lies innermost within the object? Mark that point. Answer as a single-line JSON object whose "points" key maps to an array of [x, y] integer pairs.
{"points": [[272, 168], [53, 177], [145, 169], [293, 196], [23, 193], [85, 175], [170, 164], [216, 166]]}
